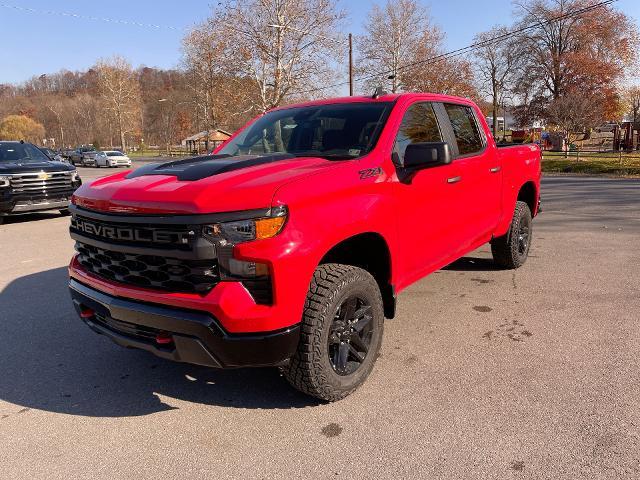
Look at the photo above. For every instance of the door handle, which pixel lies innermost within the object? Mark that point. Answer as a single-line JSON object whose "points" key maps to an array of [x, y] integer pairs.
{"points": [[454, 179], [494, 169]]}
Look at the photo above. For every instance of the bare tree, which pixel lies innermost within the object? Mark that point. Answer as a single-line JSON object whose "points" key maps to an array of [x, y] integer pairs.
{"points": [[120, 92], [575, 114], [632, 100], [448, 76], [496, 63], [210, 79], [393, 34], [281, 46], [402, 44]]}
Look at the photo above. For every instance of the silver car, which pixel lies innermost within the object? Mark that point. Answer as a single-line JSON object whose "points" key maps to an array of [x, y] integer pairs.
{"points": [[112, 158]]}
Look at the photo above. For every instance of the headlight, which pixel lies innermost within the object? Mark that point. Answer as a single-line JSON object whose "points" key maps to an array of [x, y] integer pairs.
{"points": [[248, 230], [5, 181], [74, 176]]}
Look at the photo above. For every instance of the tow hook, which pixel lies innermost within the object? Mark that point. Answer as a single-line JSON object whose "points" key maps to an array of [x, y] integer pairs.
{"points": [[86, 312], [164, 338]]}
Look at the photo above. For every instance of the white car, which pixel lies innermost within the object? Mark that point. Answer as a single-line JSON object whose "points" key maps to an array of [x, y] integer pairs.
{"points": [[112, 158]]}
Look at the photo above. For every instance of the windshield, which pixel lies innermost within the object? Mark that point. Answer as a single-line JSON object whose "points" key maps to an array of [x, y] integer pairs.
{"points": [[338, 131], [21, 152], [114, 154]]}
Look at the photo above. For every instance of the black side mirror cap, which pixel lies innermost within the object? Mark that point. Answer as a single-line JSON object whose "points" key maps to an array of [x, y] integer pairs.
{"points": [[426, 155]]}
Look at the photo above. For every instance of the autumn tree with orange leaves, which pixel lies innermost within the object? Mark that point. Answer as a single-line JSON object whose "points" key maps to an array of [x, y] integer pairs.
{"points": [[584, 55]]}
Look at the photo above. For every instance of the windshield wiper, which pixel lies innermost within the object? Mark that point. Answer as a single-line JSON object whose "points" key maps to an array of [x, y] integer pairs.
{"points": [[327, 156], [338, 156]]}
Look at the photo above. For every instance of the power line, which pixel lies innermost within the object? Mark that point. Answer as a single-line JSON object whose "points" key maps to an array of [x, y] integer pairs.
{"points": [[88, 17], [462, 50]]}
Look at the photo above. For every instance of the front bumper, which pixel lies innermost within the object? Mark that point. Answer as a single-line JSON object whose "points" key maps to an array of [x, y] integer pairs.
{"points": [[16, 204], [181, 335]]}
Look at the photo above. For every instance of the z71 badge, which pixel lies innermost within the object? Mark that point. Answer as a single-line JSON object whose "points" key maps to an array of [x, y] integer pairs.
{"points": [[370, 172]]}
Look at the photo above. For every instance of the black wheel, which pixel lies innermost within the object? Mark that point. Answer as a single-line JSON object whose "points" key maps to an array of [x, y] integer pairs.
{"points": [[511, 250], [342, 327], [64, 212]]}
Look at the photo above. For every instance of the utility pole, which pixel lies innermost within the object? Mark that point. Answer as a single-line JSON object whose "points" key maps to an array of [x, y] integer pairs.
{"points": [[350, 65]]}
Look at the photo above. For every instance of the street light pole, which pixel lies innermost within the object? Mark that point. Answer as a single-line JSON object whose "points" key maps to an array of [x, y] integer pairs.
{"points": [[350, 65], [167, 125]]}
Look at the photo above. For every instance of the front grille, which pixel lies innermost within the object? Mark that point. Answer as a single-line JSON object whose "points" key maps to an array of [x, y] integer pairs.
{"points": [[150, 271], [39, 182]]}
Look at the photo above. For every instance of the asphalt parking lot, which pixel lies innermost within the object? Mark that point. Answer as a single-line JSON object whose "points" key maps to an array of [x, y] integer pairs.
{"points": [[484, 374]]}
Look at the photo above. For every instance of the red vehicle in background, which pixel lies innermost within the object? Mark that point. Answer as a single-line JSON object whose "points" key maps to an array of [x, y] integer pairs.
{"points": [[289, 246]]}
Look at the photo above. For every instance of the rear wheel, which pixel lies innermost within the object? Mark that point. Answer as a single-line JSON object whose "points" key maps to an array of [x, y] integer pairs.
{"points": [[512, 249], [342, 329]]}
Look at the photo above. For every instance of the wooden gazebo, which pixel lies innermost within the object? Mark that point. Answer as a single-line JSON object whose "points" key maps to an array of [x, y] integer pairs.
{"points": [[205, 141]]}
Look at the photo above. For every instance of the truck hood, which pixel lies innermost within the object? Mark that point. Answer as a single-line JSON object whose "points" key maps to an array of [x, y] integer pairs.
{"points": [[208, 184], [7, 168]]}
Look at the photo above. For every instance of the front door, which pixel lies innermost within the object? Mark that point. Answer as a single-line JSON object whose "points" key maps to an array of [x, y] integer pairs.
{"points": [[428, 202]]}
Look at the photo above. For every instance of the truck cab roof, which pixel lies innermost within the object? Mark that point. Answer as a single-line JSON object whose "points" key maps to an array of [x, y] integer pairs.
{"points": [[386, 97]]}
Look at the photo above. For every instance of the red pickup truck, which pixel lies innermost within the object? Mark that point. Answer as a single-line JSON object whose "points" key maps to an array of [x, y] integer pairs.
{"points": [[289, 245]]}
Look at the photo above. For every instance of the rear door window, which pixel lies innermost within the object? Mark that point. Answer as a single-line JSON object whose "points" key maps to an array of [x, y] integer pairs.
{"points": [[419, 125], [465, 129]]}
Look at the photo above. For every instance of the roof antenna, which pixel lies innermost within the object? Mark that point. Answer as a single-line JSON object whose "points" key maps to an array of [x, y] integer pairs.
{"points": [[378, 92]]}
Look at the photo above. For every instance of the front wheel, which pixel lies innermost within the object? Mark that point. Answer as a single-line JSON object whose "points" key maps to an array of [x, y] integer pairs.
{"points": [[342, 327], [512, 249]]}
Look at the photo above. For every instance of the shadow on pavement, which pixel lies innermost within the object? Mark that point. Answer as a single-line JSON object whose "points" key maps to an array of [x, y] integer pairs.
{"points": [[472, 264], [31, 217], [51, 361]]}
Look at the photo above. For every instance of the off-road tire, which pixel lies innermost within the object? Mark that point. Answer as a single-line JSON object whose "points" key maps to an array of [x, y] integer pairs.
{"points": [[310, 370], [508, 251]]}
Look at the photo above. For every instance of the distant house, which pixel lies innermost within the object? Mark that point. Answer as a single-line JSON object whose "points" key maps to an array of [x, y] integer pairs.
{"points": [[499, 122], [205, 141]]}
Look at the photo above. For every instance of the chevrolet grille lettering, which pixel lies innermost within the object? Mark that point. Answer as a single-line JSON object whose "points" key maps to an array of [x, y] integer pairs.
{"points": [[129, 234]]}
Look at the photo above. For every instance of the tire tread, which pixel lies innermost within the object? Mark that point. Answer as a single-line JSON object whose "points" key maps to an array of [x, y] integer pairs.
{"points": [[304, 371]]}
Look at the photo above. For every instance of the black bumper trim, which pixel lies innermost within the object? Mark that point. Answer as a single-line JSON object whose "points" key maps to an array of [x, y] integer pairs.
{"points": [[197, 337]]}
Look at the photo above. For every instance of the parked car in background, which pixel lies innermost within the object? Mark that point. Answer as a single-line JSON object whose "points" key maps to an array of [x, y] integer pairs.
{"points": [[30, 181], [53, 155], [66, 154], [112, 158], [83, 156]]}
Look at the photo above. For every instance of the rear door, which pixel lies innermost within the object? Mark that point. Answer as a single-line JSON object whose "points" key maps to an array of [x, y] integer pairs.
{"points": [[427, 201], [480, 175]]}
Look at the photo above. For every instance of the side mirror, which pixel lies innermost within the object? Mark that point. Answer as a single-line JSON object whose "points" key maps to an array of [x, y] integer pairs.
{"points": [[426, 155]]}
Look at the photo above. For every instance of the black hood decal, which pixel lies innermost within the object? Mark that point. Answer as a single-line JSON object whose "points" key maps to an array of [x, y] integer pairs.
{"points": [[197, 168]]}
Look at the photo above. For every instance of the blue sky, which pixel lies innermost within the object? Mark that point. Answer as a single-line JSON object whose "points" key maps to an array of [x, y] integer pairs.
{"points": [[36, 43]]}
